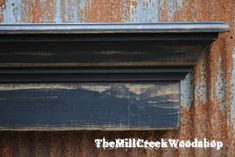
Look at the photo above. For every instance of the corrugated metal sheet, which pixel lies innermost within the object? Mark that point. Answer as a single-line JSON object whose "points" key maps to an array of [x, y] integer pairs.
{"points": [[208, 94]]}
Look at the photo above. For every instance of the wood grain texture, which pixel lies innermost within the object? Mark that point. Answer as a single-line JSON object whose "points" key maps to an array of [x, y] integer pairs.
{"points": [[204, 112], [103, 50], [97, 106]]}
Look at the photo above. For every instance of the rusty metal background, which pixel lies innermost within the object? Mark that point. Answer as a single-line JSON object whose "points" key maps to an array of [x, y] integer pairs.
{"points": [[208, 94]]}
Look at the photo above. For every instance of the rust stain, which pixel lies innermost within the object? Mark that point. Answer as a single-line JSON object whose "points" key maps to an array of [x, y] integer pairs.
{"points": [[2, 2], [199, 113], [186, 130], [37, 11], [209, 120], [103, 11]]}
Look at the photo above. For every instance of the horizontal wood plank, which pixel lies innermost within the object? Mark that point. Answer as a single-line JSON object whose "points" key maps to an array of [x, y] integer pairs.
{"points": [[93, 105]]}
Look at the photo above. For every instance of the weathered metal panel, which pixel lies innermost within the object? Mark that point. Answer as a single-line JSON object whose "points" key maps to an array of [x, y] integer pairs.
{"points": [[207, 94]]}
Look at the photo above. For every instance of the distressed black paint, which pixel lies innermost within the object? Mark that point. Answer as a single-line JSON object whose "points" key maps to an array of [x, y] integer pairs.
{"points": [[106, 45], [89, 105]]}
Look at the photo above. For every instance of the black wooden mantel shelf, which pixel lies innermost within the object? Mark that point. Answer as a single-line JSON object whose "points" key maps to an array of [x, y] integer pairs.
{"points": [[84, 52], [97, 76]]}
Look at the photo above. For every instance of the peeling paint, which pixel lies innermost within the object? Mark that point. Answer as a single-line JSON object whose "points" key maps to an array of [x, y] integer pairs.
{"points": [[12, 11], [220, 87], [169, 9], [200, 82], [2, 2], [172, 6], [144, 11], [75, 12], [233, 91], [57, 18], [186, 91], [67, 11], [82, 4], [233, 78]]}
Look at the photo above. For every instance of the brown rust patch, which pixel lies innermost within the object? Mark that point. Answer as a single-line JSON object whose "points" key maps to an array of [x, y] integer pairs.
{"points": [[102, 11], [2, 2], [186, 129], [38, 11], [208, 119]]}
